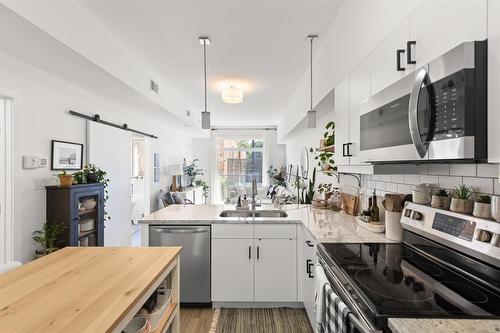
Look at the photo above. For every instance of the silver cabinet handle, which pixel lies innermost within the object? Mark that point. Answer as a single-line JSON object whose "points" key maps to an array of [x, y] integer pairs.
{"points": [[180, 231], [421, 79]]}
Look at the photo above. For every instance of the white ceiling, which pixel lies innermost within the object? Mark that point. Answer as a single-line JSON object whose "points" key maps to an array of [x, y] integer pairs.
{"points": [[259, 45]]}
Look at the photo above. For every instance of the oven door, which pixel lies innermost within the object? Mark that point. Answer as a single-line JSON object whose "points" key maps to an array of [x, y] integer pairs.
{"points": [[388, 126]]}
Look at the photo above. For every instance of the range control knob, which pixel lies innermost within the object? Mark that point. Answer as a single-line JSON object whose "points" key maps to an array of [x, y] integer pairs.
{"points": [[415, 215]]}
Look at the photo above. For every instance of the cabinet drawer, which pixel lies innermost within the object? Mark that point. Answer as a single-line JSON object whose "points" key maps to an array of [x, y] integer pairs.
{"points": [[276, 231], [232, 231]]}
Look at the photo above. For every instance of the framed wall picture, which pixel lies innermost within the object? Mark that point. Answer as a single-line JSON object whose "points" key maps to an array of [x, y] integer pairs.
{"points": [[156, 175], [66, 155], [156, 160]]}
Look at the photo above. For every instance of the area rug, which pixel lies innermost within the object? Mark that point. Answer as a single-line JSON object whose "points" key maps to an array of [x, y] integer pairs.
{"points": [[275, 320]]}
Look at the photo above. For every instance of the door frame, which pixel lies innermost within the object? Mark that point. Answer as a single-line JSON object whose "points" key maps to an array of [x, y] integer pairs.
{"points": [[8, 210]]}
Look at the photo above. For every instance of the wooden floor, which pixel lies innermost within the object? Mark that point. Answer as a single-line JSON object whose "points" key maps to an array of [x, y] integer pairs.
{"points": [[278, 320]]}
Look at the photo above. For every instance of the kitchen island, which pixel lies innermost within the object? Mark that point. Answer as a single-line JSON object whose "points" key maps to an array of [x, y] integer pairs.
{"points": [[94, 289]]}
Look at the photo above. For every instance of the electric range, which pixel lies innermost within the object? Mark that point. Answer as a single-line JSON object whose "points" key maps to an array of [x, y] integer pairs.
{"points": [[446, 267]]}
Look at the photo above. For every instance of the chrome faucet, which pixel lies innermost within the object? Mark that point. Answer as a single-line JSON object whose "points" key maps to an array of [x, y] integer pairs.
{"points": [[254, 192]]}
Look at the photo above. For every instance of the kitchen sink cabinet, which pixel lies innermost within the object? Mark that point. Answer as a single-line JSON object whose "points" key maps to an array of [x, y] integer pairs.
{"points": [[438, 26], [257, 269], [275, 270], [232, 270]]}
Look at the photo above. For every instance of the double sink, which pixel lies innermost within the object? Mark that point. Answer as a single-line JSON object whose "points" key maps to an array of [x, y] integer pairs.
{"points": [[253, 213]]}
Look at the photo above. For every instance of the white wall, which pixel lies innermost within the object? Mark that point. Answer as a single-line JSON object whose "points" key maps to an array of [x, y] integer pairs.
{"points": [[40, 115]]}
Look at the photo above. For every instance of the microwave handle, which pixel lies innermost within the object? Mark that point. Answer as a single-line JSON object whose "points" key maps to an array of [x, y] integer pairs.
{"points": [[421, 78]]}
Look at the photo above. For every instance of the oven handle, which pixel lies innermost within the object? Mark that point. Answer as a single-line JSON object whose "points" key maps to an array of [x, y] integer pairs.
{"points": [[337, 286], [421, 78]]}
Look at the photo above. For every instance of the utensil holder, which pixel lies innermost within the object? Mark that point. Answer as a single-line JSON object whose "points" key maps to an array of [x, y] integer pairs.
{"points": [[393, 229]]}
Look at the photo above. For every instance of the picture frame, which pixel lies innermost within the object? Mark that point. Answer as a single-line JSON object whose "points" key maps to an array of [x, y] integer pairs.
{"points": [[66, 155], [156, 175], [156, 160]]}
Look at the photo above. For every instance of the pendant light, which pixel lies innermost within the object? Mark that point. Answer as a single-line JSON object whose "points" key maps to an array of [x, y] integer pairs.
{"points": [[205, 115], [311, 114]]}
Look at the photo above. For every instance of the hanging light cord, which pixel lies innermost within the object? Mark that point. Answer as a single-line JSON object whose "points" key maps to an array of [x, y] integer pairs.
{"points": [[205, 70], [312, 38]]}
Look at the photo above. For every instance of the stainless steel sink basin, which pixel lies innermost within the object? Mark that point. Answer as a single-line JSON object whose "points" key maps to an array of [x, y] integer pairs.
{"points": [[253, 213], [270, 213]]}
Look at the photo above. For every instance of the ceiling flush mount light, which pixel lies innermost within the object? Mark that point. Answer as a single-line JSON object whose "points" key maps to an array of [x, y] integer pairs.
{"points": [[311, 114], [232, 95], [205, 115]]}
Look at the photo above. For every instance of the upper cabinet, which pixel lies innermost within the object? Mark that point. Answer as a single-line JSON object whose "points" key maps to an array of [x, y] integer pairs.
{"points": [[389, 57], [341, 118], [438, 26], [493, 80]]}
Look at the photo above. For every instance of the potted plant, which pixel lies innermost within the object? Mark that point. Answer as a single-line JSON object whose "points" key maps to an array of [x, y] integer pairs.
{"points": [[307, 194], [461, 202], [201, 182], [482, 207], [47, 238], [192, 170], [324, 154], [92, 174], [441, 199], [65, 179]]}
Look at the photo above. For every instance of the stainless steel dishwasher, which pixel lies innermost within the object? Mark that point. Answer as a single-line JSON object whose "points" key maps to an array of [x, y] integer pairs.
{"points": [[195, 258]]}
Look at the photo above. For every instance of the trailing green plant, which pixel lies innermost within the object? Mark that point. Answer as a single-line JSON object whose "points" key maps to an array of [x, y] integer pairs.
{"points": [[49, 235], [277, 176], [486, 199], [203, 183], [307, 194], [91, 173], [442, 192], [329, 135], [463, 192], [326, 157]]}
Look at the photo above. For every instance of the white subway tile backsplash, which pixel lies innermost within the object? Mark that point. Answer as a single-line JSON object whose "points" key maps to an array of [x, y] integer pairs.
{"points": [[370, 184], [429, 179], [422, 169], [439, 169], [376, 177], [481, 185], [404, 189], [412, 179], [488, 170], [496, 186], [449, 182], [380, 186], [398, 179], [468, 170], [385, 178], [391, 187]]}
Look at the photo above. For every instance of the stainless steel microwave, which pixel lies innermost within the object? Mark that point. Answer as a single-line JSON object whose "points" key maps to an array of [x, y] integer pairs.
{"points": [[437, 113]]}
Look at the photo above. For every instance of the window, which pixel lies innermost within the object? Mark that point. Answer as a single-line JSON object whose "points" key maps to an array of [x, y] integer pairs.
{"points": [[238, 161]]}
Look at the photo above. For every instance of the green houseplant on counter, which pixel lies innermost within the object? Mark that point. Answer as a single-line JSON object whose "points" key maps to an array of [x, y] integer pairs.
{"points": [[441, 199], [461, 201], [47, 238]]}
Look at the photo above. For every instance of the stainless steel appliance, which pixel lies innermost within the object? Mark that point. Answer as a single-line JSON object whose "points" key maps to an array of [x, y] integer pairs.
{"points": [[448, 266], [195, 258], [437, 113]]}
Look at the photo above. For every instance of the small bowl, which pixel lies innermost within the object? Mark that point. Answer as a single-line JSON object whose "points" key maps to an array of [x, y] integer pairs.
{"points": [[89, 204], [137, 325]]}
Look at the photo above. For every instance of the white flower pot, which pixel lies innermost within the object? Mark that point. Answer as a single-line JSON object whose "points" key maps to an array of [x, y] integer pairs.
{"points": [[440, 202], [465, 206], [482, 210], [495, 207]]}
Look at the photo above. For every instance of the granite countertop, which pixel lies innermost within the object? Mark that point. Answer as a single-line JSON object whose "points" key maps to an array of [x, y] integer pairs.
{"points": [[324, 225], [406, 325]]}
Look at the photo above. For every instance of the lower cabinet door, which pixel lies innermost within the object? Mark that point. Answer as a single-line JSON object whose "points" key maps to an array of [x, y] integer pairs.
{"points": [[275, 270], [308, 284], [232, 270]]}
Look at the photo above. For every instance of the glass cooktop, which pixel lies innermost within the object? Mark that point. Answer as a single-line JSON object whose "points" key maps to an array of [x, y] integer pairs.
{"points": [[394, 280]]}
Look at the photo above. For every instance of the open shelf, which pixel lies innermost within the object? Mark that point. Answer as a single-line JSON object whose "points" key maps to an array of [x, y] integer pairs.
{"points": [[86, 234], [167, 318], [87, 212], [330, 149]]}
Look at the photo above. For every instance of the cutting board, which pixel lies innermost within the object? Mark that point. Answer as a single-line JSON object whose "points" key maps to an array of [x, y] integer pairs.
{"points": [[349, 203]]}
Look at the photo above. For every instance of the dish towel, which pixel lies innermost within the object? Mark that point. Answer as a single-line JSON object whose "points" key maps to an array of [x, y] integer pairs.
{"points": [[319, 297], [336, 313]]}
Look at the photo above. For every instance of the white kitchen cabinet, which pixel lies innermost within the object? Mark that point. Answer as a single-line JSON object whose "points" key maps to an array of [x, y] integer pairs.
{"points": [[493, 81], [384, 58], [276, 270], [359, 90], [232, 270], [306, 277], [341, 118], [438, 26]]}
